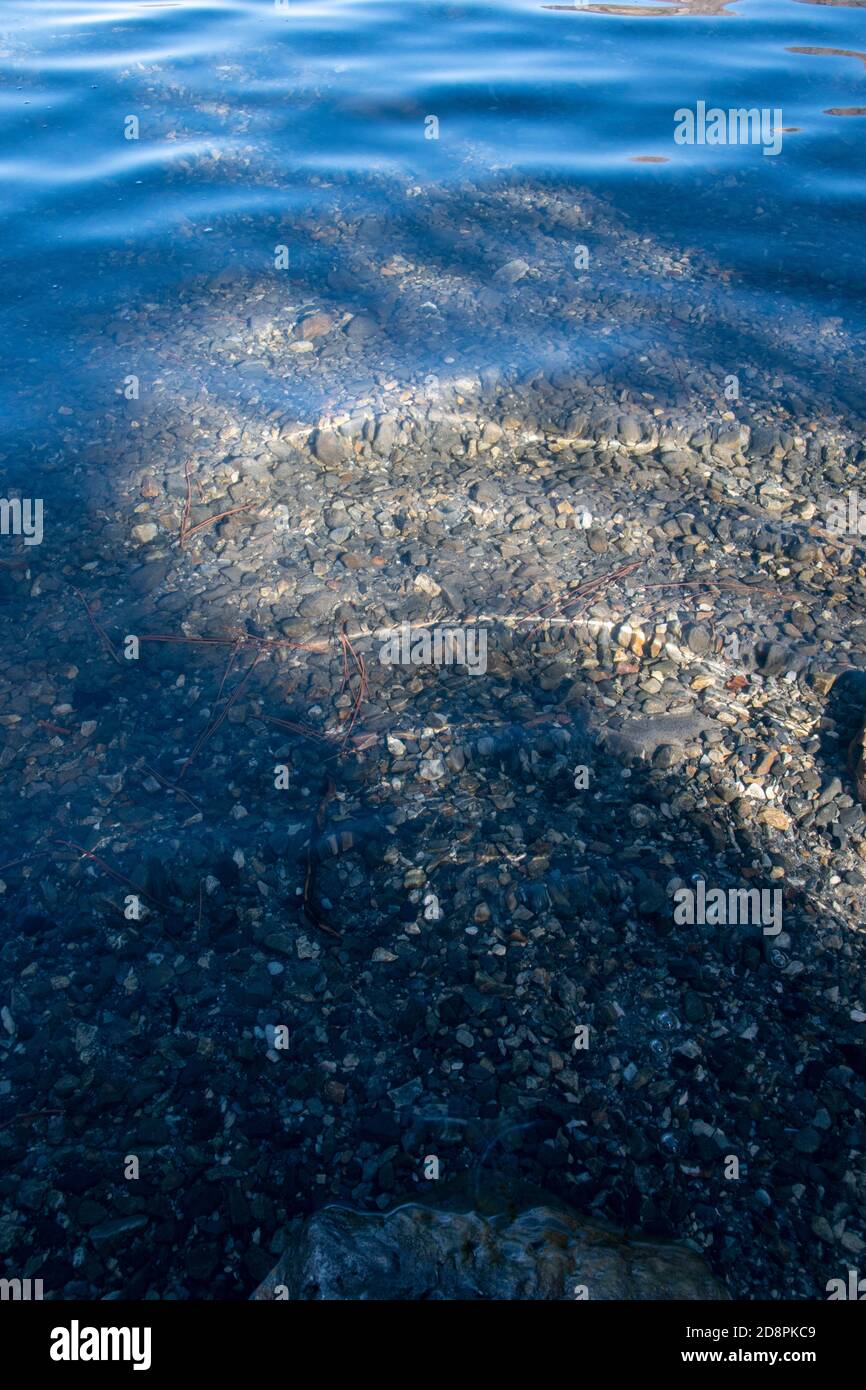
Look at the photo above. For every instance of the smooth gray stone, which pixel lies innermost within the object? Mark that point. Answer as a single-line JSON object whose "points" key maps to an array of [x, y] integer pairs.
{"points": [[639, 738]]}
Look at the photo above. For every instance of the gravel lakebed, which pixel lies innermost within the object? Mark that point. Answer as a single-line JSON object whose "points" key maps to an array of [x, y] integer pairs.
{"points": [[427, 879]]}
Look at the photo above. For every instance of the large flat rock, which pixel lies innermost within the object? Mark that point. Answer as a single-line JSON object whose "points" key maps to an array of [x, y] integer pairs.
{"points": [[640, 739], [420, 1252]]}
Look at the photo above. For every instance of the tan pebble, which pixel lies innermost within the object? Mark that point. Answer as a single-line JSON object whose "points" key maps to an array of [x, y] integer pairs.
{"points": [[313, 326], [775, 817]]}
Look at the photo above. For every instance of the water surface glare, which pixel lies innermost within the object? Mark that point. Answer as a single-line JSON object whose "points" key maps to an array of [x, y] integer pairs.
{"points": [[256, 115]]}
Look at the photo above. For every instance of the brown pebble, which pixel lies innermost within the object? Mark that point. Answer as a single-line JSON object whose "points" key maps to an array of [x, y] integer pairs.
{"points": [[314, 326]]}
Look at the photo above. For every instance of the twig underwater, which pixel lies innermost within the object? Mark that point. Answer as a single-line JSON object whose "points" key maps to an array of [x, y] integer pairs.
{"points": [[115, 873], [185, 529], [311, 908]]}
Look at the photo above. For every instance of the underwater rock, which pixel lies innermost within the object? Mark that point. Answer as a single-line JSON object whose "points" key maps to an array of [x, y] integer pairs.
{"points": [[417, 1251], [639, 739], [857, 754]]}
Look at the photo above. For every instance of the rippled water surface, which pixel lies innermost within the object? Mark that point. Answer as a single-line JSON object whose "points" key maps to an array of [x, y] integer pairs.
{"points": [[260, 124]]}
